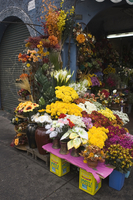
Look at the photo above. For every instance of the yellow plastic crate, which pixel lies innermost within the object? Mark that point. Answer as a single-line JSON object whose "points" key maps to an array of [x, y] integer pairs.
{"points": [[88, 183], [58, 166]]}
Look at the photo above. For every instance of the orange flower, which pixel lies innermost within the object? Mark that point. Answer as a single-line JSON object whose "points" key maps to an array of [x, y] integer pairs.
{"points": [[53, 40], [24, 76], [80, 38]]}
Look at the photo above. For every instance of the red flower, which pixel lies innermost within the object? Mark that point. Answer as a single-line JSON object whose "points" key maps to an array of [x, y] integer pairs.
{"points": [[71, 124], [62, 115]]}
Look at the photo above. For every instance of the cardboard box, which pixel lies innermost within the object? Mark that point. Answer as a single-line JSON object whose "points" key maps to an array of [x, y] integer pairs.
{"points": [[88, 183], [58, 166]]}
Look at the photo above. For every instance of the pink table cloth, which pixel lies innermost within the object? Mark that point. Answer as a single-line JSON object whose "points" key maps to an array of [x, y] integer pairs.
{"points": [[101, 169]]}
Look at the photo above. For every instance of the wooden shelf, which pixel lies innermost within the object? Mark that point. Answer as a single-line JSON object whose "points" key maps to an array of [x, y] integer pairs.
{"points": [[19, 132], [21, 116], [23, 100], [22, 147]]}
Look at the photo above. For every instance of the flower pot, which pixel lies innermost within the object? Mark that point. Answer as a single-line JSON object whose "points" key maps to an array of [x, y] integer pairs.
{"points": [[63, 149], [30, 132], [41, 139], [92, 164], [75, 152], [56, 143], [116, 180]]}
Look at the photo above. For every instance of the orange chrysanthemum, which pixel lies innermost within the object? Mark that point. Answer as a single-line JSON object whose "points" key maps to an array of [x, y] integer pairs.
{"points": [[80, 38], [53, 40], [24, 76]]}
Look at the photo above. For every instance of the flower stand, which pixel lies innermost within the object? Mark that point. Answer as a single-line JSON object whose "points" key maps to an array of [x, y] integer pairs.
{"points": [[116, 180], [58, 166]]}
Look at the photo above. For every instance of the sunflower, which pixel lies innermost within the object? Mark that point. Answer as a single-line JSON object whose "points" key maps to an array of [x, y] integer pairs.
{"points": [[35, 105], [80, 38], [28, 108]]}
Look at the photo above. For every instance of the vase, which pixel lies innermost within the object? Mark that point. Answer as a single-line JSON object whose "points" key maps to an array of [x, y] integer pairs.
{"points": [[63, 148], [75, 152], [41, 139], [56, 143], [116, 180], [92, 164], [30, 132]]}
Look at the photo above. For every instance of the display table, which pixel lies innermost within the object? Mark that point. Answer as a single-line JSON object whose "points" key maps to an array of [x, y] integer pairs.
{"points": [[102, 170]]}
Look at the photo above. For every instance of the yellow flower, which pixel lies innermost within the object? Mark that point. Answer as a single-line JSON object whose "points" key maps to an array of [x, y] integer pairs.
{"points": [[28, 65], [16, 142]]}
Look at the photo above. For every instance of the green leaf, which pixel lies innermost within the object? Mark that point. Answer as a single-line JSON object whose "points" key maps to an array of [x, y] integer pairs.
{"points": [[65, 136], [42, 101], [70, 144], [76, 142], [73, 135]]}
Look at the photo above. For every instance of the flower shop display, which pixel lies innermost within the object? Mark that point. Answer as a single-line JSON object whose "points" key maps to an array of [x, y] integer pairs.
{"points": [[73, 116]]}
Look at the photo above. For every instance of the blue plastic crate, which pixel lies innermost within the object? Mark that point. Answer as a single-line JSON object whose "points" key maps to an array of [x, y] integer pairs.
{"points": [[116, 180], [127, 174]]}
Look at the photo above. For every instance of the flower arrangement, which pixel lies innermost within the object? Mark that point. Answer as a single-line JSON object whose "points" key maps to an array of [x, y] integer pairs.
{"points": [[66, 94], [41, 120], [77, 120], [23, 93], [123, 116], [107, 113], [116, 130], [80, 87], [119, 157], [58, 127], [88, 107], [55, 109], [62, 77], [93, 153], [19, 139], [77, 136], [97, 136], [27, 108], [88, 122], [98, 119]]}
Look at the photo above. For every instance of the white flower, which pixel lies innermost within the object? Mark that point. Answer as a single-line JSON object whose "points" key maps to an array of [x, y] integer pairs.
{"points": [[88, 107], [34, 117], [77, 120], [122, 116], [43, 119], [114, 91]]}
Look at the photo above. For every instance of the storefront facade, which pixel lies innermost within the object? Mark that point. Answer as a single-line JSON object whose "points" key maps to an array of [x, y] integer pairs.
{"points": [[19, 20]]}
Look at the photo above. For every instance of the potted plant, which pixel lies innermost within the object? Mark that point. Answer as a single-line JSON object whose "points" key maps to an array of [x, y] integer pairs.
{"points": [[40, 135], [92, 154], [122, 160], [56, 130], [76, 137]]}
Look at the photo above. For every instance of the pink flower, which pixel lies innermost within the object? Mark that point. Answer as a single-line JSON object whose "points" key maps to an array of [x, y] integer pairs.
{"points": [[52, 129]]}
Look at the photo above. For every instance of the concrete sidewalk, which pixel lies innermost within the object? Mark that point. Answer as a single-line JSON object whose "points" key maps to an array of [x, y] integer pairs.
{"points": [[24, 178]]}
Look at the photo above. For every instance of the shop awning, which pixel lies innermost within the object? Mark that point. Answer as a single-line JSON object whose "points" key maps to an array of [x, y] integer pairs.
{"points": [[118, 1]]}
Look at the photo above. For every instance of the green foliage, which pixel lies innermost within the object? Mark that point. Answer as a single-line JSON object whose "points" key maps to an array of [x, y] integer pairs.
{"points": [[45, 89], [54, 59]]}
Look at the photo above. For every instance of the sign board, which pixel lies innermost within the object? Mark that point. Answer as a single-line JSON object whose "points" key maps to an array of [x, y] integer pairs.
{"points": [[31, 5]]}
